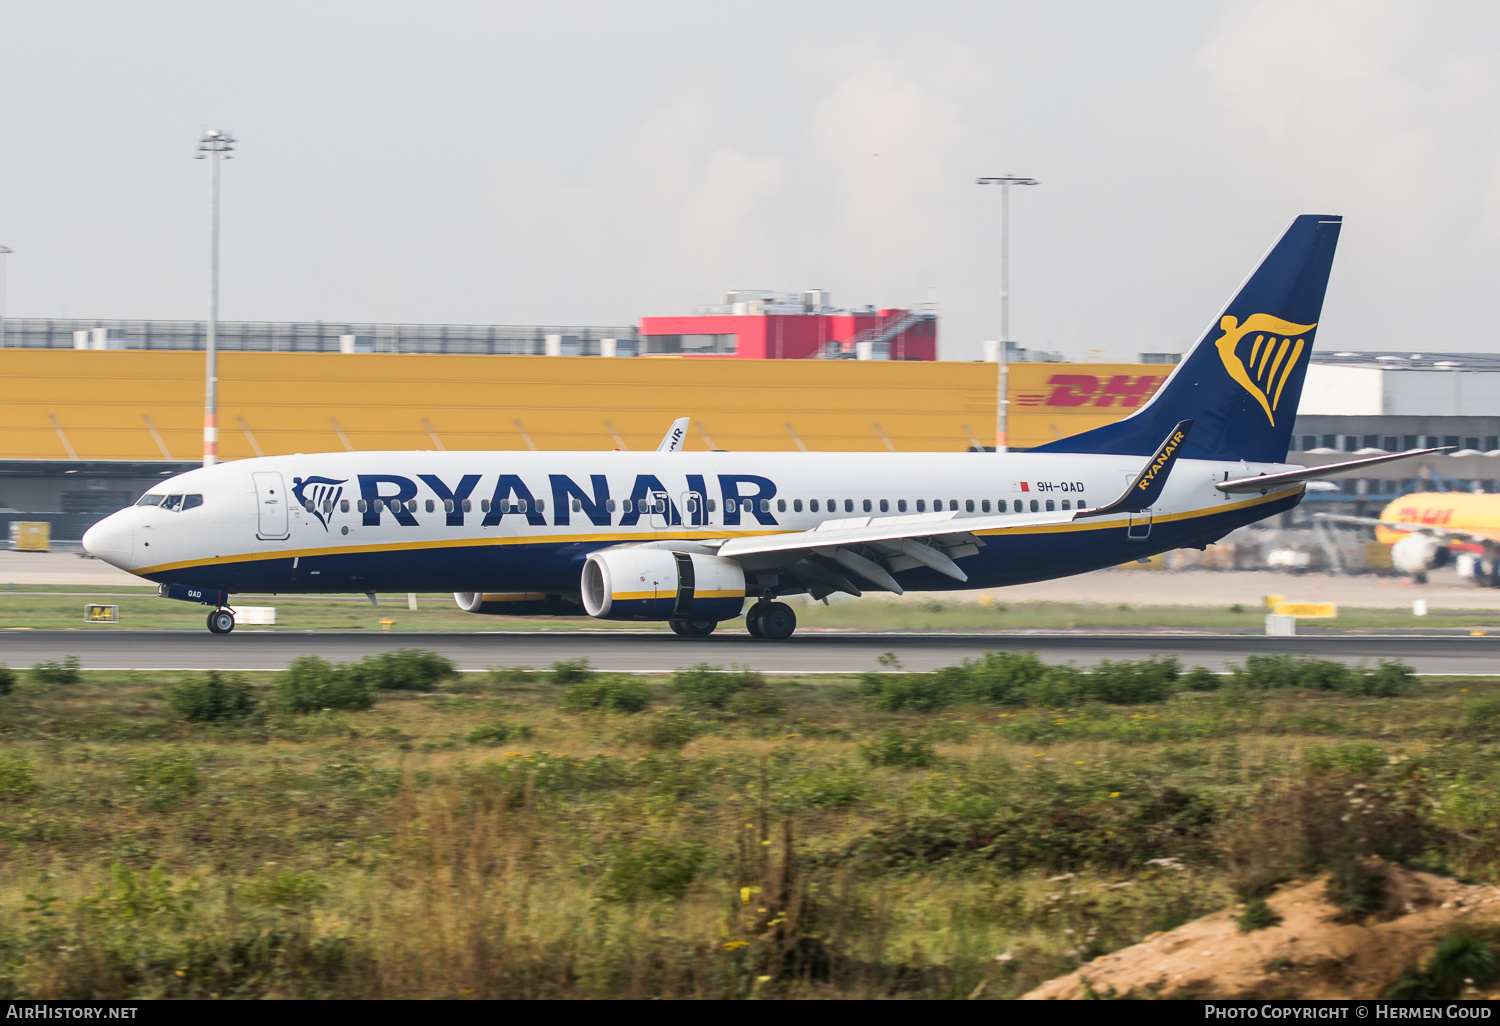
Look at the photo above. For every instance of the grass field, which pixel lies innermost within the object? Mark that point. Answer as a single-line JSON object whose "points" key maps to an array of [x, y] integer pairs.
{"points": [[33, 607], [969, 832]]}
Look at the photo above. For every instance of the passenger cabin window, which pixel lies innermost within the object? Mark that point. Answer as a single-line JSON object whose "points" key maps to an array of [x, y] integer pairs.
{"points": [[885, 505], [749, 506], [1051, 506], [1067, 504], [1016, 506], [468, 505], [797, 505], [848, 505], [900, 505], [953, 505], [813, 505], [484, 505], [627, 506], [968, 505], [867, 505], [609, 504], [541, 505], [360, 505], [577, 505], [411, 506], [781, 505], [765, 505], [713, 504], [985, 506], [921, 505], [447, 505], [1033, 505], [430, 506], [343, 505], [833, 505]]}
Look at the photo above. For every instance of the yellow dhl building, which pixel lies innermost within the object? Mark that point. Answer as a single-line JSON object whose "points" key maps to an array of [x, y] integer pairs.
{"points": [[147, 405]]}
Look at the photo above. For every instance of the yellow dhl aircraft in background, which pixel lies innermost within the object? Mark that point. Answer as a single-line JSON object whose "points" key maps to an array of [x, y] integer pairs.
{"points": [[1425, 529]]}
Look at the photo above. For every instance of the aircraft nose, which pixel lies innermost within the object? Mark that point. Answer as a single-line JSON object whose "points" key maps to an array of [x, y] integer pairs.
{"points": [[110, 539]]}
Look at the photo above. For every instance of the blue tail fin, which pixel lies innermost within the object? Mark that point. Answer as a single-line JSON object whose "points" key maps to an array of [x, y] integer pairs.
{"points": [[1241, 383]]}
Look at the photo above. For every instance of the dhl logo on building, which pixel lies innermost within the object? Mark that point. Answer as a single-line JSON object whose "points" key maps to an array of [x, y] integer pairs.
{"points": [[1067, 390], [1264, 370]]}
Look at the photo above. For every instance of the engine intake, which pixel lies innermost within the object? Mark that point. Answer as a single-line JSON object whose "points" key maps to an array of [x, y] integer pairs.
{"points": [[658, 584]]}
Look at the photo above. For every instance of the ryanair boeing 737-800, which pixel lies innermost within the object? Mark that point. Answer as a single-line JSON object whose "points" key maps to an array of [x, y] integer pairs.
{"points": [[689, 537]]}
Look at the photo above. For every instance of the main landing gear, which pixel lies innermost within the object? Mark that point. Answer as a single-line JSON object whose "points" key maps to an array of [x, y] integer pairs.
{"points": [[772, 621], [693, 628], [221, 621]]}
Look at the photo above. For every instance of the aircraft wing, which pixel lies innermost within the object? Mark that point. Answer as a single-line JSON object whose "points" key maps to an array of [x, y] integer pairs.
{"points": [[873, 547], [889, 544], [1269, 482], [1443, 534]]}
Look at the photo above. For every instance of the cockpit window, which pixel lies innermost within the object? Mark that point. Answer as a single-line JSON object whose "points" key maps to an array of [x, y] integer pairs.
{"points": [[175, 503]]}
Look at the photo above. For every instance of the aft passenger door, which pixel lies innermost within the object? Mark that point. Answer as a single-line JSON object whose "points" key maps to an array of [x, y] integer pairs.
{"points": [[271, 507]]}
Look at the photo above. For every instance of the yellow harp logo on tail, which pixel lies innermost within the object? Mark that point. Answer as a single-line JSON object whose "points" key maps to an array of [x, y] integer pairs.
{"points": [[1273, 351]]}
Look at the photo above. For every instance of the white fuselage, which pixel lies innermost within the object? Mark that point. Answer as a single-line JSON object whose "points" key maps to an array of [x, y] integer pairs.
{"points": [[525, 521]]}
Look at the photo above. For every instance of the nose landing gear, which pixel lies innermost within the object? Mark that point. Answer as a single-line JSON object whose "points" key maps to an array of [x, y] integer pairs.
{"points": [[221, 621], [772, 621]]}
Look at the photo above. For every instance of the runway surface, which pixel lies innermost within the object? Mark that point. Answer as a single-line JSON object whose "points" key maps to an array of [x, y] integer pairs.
{"points": [[659, 652]]}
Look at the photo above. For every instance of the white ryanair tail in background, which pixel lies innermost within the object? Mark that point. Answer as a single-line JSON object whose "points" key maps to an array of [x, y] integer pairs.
{"points": [[689, 537]]}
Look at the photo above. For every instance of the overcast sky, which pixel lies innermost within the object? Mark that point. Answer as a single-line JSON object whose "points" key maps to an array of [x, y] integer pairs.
{"points": [[590, 163]]}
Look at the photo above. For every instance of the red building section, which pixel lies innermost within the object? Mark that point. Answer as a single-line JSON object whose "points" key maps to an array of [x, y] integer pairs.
{"points": [[877, 335]]}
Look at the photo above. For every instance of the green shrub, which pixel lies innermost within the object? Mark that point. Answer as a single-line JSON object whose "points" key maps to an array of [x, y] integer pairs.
{"points": [[311, 684], [163, 778], [1357, 758], [7, 679], [406, 669], [892, 748], [213, 698], [65, 672], [512, 674], [1263, 673], [712, 687], [571, 671], [670, 728], [283, 887], [1257, 916], [17, 777], [610, 694], [653, 867], [1020, 678], [1199, 679], [497, 733], [1460, 958]]}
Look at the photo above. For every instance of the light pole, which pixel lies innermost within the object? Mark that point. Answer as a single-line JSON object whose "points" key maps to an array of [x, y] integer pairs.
{"points": [[1005, 182], [215, 146], [5, 251]]}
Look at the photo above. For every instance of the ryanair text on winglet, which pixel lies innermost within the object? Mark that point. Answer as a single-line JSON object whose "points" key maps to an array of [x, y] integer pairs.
{"points": [[1161, 460]]}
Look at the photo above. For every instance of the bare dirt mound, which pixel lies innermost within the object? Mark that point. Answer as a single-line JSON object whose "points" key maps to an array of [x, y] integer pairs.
{"points": [[1316, 952]]}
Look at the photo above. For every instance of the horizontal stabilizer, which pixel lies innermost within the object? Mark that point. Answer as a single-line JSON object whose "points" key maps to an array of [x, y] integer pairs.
{"points": [[1266, 482]]}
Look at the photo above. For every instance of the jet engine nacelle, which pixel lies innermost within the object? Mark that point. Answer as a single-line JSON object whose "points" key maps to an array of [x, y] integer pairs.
{"points": [[658, 584], [515, 603], [1416, 553]]}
